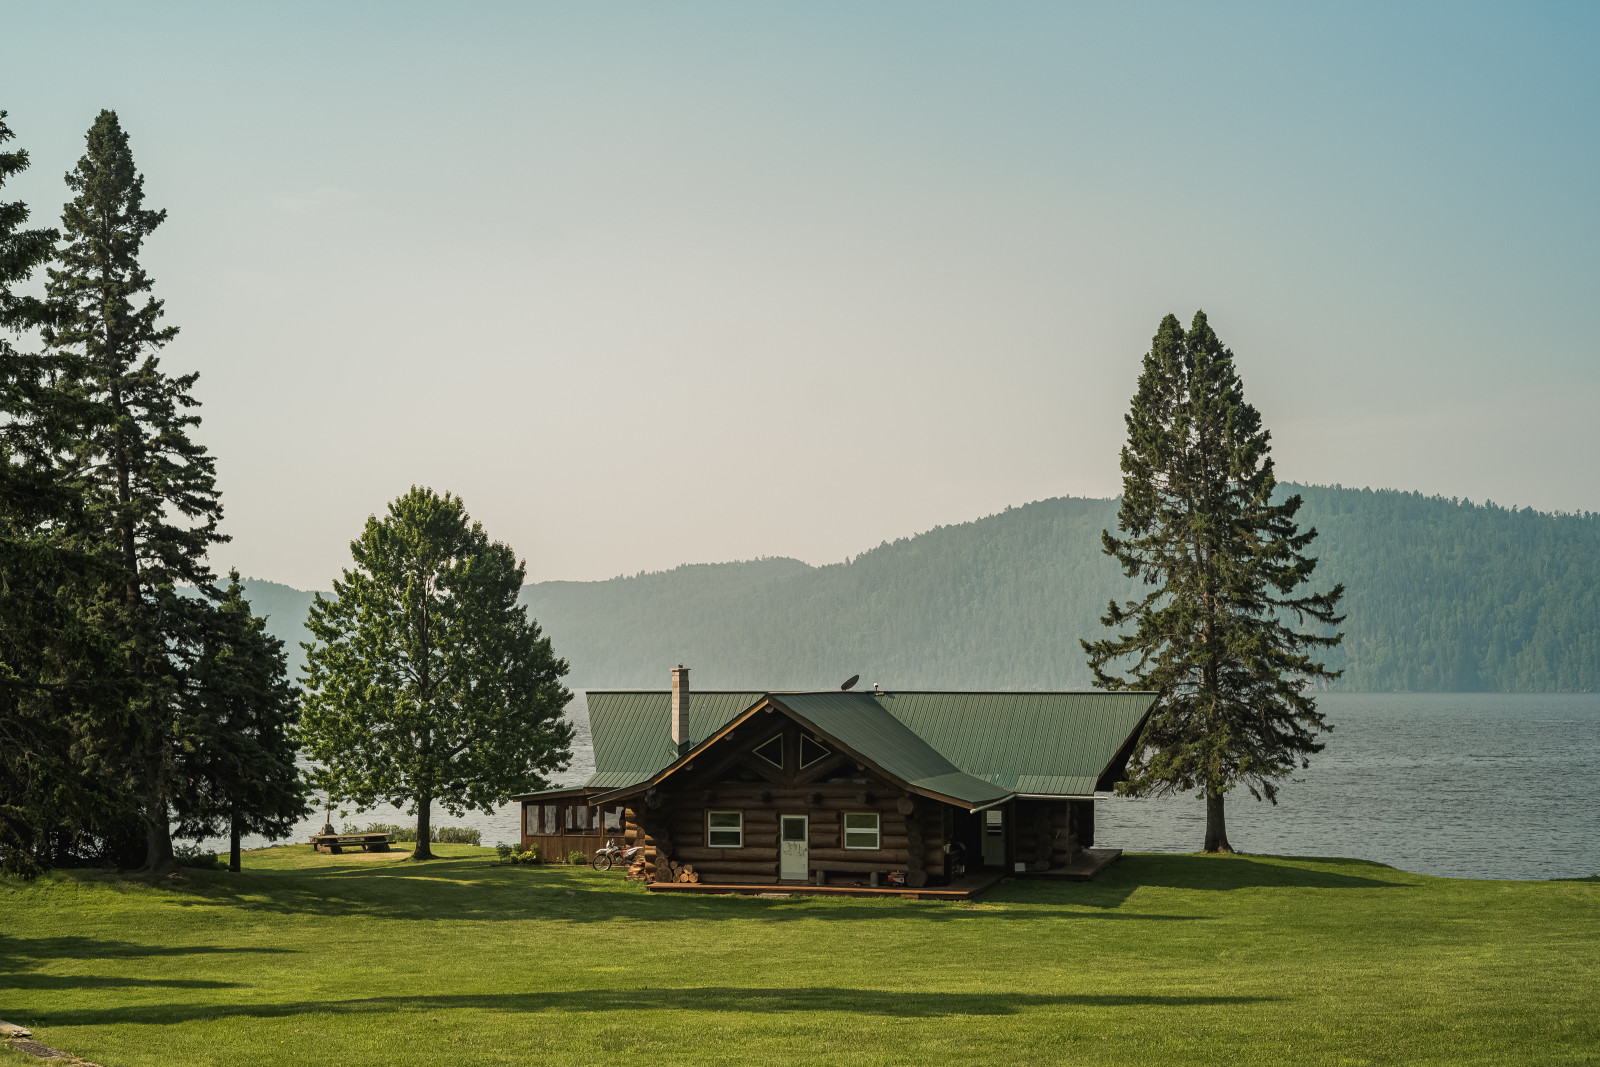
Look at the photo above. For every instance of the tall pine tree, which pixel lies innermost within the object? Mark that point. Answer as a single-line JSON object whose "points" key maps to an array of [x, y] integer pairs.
{"points": [[33, 743], [1219, 636], [151, 503], [53, 683]]}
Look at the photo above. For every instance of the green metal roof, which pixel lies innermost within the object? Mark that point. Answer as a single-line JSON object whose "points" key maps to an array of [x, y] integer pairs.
{"points": [[632, 730], [1050, 743], [863, 725], [960, 745]]}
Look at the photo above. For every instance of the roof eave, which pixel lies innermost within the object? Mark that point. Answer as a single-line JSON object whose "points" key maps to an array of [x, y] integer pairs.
{"points": [[1117, 766], [684, 760], [556, 793], [912, 787]]}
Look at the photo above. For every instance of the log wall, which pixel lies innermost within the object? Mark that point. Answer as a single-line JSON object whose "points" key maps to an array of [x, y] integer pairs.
{"points": [[911, 831], [1049, 833]]}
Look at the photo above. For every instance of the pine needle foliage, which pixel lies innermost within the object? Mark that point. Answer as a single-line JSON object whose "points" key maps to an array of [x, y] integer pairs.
{"points": [[237, 769], [32, 742], [1225, 634], [151, 506], [426, 681], [52, 678]]}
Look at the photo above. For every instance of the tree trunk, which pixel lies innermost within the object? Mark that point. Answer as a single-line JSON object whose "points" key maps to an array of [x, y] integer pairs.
{"points": [[1216, 823], [424, 829], [158, 857], [233, 842]]}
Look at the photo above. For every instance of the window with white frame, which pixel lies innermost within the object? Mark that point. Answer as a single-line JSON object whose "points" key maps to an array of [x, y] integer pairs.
{"points": [[861, 829], [725, 829]]}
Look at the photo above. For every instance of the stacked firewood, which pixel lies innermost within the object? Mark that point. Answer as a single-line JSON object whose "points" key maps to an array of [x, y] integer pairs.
{"points": [[682, 872], [656, 823]]}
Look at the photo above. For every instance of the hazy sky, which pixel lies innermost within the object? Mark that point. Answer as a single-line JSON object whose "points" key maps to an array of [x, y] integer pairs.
{"points": [[678, 282]]}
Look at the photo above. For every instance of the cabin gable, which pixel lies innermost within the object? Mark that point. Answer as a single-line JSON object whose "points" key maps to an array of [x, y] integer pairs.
{"points": [[767, 780]]}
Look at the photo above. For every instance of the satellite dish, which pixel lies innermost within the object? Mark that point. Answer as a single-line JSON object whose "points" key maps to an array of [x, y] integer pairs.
{"points": [[852, 680]]}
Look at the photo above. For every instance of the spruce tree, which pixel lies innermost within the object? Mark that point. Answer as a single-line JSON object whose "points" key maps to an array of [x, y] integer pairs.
{"points": [[1220, 635], [151, 503], [52, 681], [236, 770], [32, 742], [427, 682]]}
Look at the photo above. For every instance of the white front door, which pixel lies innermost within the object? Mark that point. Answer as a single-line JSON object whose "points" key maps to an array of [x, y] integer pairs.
{"points": [[794, 848]]}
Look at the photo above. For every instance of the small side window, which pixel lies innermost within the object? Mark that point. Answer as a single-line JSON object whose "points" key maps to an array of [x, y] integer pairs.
{"points": [[860, 829], [725, 829]]}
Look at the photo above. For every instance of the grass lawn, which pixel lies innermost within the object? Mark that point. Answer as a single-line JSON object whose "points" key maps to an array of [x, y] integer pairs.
{"points": [[1163, 960]]}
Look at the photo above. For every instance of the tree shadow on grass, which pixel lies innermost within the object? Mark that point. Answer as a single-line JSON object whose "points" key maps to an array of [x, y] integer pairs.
{"points": [[765, 1001], [90, 981], [20, 955], [1226, 873], [49, 948], [473, 890], [469, 888]]}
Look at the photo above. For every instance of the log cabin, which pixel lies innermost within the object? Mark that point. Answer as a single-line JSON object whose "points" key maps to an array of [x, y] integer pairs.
{"points": [[792, 789]]}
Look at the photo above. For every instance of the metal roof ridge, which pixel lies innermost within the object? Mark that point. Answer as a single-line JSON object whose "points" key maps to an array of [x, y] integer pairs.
{"points": [[1015, 693], [886, 692], [669, 691]]}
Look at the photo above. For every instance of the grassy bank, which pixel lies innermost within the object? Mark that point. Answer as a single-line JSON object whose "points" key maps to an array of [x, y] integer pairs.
{"points": [[1165, 959]]}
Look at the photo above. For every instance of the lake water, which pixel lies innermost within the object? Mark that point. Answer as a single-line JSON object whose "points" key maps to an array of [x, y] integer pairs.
{"points": [[1463, 785]]}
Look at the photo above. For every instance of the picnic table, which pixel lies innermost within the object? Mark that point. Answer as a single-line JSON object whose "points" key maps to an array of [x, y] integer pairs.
{"points": [[336, 843]]}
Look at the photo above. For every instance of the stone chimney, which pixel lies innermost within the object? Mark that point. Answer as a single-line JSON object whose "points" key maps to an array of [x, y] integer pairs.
{"points": [[680, 709]]}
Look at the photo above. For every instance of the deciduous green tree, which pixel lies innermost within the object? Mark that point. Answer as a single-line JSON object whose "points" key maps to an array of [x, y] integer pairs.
{"points": [[426, 681], [1220, 633], [151, 506]]}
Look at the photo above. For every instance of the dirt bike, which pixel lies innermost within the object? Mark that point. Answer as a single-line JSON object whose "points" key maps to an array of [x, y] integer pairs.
{"points": [[613, 853]]}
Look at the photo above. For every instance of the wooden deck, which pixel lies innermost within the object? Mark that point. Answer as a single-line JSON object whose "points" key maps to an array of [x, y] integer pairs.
{"points": [[961, 889], [1084, 866]]}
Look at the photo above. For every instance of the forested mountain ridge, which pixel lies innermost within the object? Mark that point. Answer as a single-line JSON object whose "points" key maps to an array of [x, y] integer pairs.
{"points": [[1441, 595]]}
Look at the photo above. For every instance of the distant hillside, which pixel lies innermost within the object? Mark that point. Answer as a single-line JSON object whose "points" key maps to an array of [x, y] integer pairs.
{"points": [[285, 609], [1443, 595]]}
